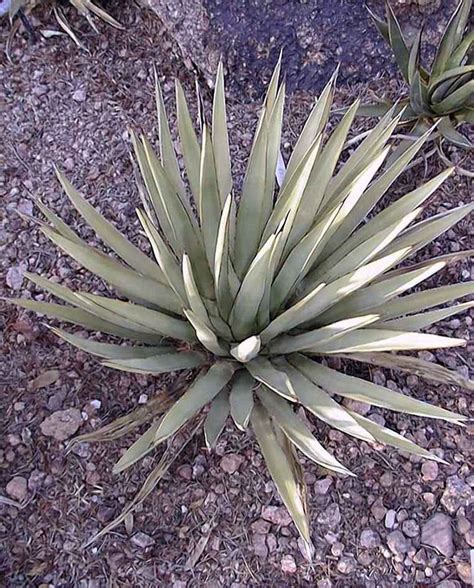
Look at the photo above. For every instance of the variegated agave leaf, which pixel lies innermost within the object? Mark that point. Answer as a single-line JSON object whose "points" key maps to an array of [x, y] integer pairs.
{"points": [[252, 294], [446, 92]]}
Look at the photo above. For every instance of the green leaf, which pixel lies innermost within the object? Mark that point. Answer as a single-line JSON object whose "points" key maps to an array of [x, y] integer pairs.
{"points": [[222, 260], [128, 281], [142, 446], [159, 364], [109, 350], [59, 225], [266, 373], [389, 437], [257, 192], [447, 130], [414, 59], [457, 100], [424, 319], [357, 389], [463, 49], [85, 319], [397, 41], [385, 218], [247, 302], [297, 432], [203, 390], [206, 335], [209, 198], [241, 398], [425, 299], [300, 260], [385, 340], [168, 157], [220, 139], [189, 142], [313, 128], [149, 320], [324, 296], [323, 406], [110, 235], [282, 469], [290, 344], [451, 37], [216, 418], [414, 365], [166, 260]]}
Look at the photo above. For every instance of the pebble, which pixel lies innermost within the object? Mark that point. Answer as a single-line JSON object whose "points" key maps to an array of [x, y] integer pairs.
{"points": [[437, 532], [321, 487], [79, 95], [390, 519], [142, 540], [330, 517], [260, 545], [386, 479], [398, 543], [464, 572], [378, 510], [429, 471], [325, 583], [288, 564], [369, 539], [346, 565], [14, 277], [411, 528], [456, 494], [62, 424], [17, 488], [231, 463], [261, 526], [278, 515]]}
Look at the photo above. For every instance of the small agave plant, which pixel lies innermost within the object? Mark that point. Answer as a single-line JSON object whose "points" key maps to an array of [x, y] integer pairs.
{"points": [[18, 11], [444, 94], [256, 295]]}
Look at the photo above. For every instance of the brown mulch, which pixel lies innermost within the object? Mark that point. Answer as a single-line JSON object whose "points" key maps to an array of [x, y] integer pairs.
{"points": [[73, 108]]}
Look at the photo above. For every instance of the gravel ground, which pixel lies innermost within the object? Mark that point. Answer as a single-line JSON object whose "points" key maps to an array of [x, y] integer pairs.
{"points": [[400, 522]]}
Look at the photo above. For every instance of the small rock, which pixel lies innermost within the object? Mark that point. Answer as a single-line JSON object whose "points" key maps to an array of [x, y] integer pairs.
{"points": [[369, 539], [386, 479], [410, 528], [321, 487], [437, 532], [464, 572], [62, 424], [448, 584], [326, 583], [142, 399], [429, 471], [142, 540], [261, 526], [45, 379], [390, 519], [288, 564], [457, 493], [14, 277], [361, 408], [378, 510], [398, 543], [231, 463], [17, 488], [260, 546], [79, 95], [346, 565], [463, 525], [278, 515], [330, 517], [35, 480], [429, 498], [185, 472]]}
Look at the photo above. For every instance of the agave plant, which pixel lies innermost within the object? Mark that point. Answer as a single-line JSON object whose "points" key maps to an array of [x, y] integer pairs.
{"points": [[19, 9], [446, 93], [256, 295]]}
